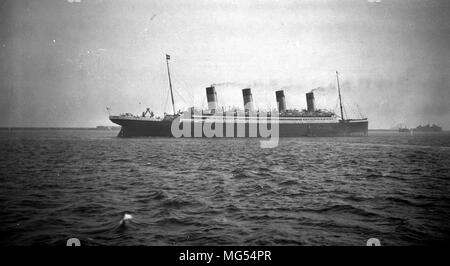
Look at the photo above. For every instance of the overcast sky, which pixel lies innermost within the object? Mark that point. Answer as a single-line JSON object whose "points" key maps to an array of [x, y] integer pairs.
{"points": [[62, 62]]}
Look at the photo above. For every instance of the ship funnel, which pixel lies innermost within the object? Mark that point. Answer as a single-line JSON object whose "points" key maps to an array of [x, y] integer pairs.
{"points": [[248, 99], [310, 101], [211, 97], [281, 102]]}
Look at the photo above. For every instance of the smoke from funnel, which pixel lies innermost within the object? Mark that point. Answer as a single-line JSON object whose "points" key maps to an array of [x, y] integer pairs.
{"points": [[226, 84], [318, 89]]}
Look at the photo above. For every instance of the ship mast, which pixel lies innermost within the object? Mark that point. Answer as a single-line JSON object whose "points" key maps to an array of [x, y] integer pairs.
{"points": [[340, 100], [170, 82]]}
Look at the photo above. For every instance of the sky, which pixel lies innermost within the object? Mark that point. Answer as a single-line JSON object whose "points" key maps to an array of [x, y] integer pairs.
{"points": [[62, 62]]}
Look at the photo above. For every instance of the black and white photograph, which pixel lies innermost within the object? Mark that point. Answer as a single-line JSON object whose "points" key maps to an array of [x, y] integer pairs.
{"points": [[222, 123]]}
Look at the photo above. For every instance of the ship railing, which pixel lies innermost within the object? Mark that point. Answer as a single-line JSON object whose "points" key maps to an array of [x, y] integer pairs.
{"points": [[134, 117]]}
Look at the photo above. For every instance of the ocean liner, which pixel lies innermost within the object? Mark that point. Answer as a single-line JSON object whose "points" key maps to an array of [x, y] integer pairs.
{"points": [[291, 122]]}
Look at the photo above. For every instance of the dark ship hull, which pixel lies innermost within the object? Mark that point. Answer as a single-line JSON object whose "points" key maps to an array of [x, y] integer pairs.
{"points": [[138, 128]]}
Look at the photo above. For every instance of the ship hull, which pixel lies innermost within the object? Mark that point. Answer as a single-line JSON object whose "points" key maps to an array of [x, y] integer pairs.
{"points": [[139, 128]]}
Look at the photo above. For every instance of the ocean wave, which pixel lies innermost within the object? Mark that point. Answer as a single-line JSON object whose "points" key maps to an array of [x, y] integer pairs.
{"points": [[344, 209], [177, 203], [312, 191], [409, 202]]}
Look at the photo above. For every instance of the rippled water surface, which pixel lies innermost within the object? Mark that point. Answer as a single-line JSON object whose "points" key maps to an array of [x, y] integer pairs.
{"points": [[57, 184]]}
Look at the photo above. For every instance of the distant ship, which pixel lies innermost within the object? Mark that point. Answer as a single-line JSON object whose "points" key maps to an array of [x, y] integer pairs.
{"points": [[403, 128], [107, 127], [292, 123], [428, 128]]}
